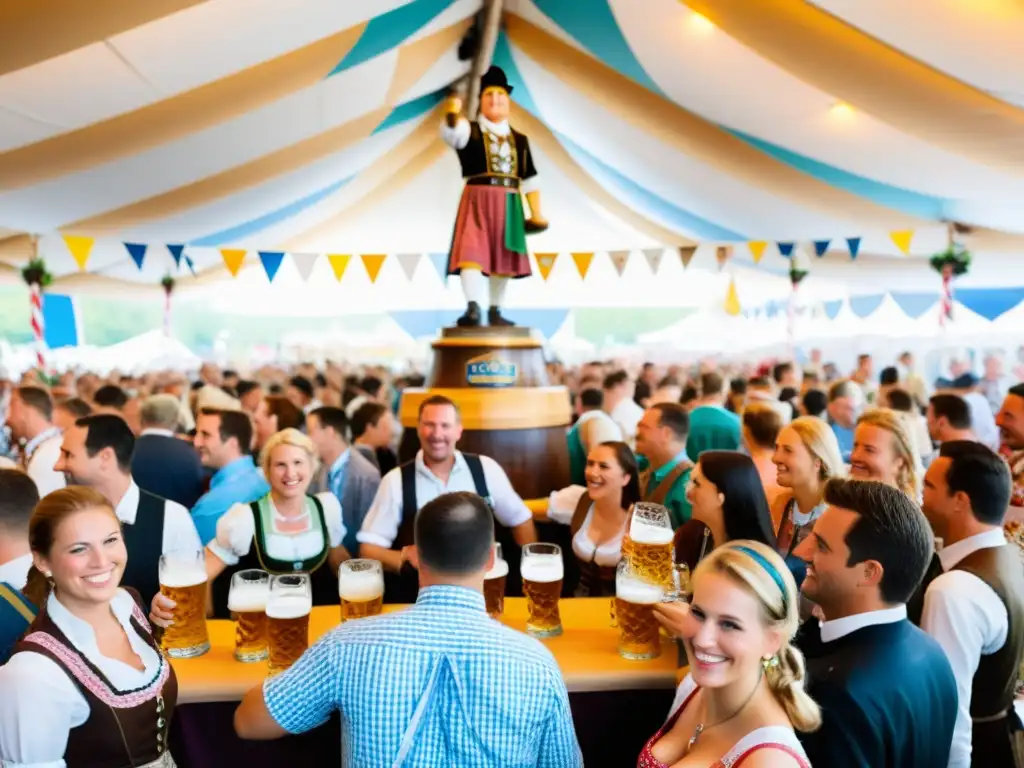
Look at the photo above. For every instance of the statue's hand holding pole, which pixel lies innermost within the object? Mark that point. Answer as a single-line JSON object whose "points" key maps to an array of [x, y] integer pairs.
{"points": [[453, 109]]}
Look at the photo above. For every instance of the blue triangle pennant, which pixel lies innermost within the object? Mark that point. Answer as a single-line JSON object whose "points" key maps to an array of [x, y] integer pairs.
{"points": [[190, 264], [853, 243], [786, 249], [440, 262], [271, 261], [176, 251], [138, 253], [821, 247]]}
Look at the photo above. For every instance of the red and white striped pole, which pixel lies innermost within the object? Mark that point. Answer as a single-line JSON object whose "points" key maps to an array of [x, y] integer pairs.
{"points": [[38, 327], [946, 301], [167, 312]]}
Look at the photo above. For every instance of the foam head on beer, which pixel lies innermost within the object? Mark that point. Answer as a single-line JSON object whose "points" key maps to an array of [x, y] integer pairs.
{"points": [[360, 586], [496, 571], [542, 569], [637, 591], [642, 532], [179, 572], [248, 597], [289, 605]]}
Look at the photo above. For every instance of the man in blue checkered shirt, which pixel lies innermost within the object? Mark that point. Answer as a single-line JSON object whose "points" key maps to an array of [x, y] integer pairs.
{"points": [[437, 684]]}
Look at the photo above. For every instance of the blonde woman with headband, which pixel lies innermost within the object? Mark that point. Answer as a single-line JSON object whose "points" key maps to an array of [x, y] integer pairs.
{"points": [[884, 450], [744, 695]]}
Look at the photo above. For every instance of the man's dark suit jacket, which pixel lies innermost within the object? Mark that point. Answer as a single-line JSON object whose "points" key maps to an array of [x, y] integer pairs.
{"points": [[168, 467], [887, 694]]}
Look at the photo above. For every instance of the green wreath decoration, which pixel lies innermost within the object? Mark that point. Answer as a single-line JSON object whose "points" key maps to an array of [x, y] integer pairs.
{"points": [[955, 261], [168, 284], [796, 276], [35, 273]]}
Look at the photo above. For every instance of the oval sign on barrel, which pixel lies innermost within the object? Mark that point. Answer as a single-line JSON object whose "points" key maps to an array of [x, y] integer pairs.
{"points": [[491, 371]]}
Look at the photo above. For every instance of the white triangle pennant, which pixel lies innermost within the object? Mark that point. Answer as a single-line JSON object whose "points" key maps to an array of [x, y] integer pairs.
{"points": [[408, 262], [304, 263], [653, 256], [619, 259]]}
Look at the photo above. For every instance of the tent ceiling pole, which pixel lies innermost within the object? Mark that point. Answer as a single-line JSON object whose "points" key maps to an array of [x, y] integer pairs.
{"points": [[491, 16]]}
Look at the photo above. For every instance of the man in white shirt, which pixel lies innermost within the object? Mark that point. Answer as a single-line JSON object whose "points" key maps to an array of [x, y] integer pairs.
{"points": [[30, 416], [18, 497], [619, 404], [975, 608], [97, 452], [387, 532]]}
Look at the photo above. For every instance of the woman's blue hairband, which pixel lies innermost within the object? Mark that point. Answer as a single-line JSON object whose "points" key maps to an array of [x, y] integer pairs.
{"points": [[765, 563]]}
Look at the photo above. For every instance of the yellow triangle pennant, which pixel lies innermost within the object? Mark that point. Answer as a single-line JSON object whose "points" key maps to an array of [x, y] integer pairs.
{"points": [[80, 248], [339, 263], [373, 262], [545, 263], [583, 261], [233, 258], [757, 248], [902, 238], [732, 299]]}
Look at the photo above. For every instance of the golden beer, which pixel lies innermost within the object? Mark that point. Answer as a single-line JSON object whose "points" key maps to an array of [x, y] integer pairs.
{"points": [[288, 609], [639, 635], [183, 580], [360, 589], [651, 552], [542, 571], [494, 588], [247, 602]]}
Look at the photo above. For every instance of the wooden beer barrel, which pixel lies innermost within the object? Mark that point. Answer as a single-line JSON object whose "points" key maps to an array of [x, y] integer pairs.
{"points": [[498, 378]]}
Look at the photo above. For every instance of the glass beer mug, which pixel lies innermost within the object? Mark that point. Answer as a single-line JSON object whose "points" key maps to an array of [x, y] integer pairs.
{"points": [[360, 588], [494, 585], [651, 546], [542, 570], [183, 579], [288, 607], [635, 598], [247, 602]]}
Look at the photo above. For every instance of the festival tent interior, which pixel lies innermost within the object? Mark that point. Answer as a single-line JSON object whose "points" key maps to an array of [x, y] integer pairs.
{"points": [[790, 165]]}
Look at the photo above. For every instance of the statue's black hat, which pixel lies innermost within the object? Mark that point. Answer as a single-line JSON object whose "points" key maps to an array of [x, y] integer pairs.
{"points": [[495, 78]]}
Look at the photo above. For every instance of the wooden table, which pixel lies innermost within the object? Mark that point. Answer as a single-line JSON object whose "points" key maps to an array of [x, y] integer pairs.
{"points": [[616, 704]]}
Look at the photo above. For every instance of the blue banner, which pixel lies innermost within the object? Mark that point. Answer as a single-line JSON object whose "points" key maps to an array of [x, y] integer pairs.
{"points": [[60, 320], [138, 252], [271, 261]]}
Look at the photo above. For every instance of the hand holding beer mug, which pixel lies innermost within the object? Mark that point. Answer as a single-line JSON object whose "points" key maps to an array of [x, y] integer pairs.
{"points": [[635, 599], [542, 570], [247, 602], [183, 580], [494, 585], [360, 588], [650, 551], [288, 609]]}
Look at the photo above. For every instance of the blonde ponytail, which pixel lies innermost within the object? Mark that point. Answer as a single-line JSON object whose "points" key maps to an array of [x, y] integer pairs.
{"points": [[787, 683]]}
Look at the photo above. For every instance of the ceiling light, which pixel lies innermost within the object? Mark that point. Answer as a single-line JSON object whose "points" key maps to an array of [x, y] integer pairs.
{"points": [[700, 23], [841, 109]]}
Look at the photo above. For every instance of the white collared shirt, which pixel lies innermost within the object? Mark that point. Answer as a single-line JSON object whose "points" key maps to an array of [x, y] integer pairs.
{"points": [[381, 524], [42, 453], [627, 415], [969, 621], [156, 431], [39, 703], [180, 533], [833, 630], [15, 572]]}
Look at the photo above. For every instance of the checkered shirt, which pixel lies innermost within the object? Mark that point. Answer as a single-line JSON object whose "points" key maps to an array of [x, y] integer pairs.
{"points": [[497, 699]]}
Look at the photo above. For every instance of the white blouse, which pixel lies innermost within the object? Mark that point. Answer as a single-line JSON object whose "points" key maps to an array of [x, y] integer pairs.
{"points": [[562, 506], [39, 703], [236, 530]]}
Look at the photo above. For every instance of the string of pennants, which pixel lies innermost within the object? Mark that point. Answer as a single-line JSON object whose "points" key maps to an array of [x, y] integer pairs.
{"points": [[81, 248]]}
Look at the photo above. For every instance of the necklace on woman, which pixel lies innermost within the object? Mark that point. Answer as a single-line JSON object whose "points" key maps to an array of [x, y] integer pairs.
{"points": [[701, 727]]}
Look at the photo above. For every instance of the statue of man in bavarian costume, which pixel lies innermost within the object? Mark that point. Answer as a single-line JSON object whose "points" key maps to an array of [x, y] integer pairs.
{"points": [[489, 242]]}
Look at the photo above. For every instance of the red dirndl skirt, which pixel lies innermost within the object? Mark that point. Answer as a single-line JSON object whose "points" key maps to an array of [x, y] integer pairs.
{"points": [[479, 241]]}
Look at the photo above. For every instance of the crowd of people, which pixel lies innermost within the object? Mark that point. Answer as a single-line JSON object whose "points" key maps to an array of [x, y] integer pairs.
{"points": [[853, 545]]}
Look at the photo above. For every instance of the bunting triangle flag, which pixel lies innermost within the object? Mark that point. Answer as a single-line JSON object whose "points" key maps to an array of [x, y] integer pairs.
{"points": [[233, 258], [786, 249], [821, 247], [722, 255], [757, 248], [271, 261], [686, 254], [902, 239], [339, 263], [440, 262], [545, 263], [176, 251], [304, 263], [137, 251], [853, 243], [80, 247], [732, 299], [653, 256], [190, 264], [373, 262], [583, 262], [408, 262], [619, 259]]}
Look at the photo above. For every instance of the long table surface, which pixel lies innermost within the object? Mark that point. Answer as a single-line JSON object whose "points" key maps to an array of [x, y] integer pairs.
{"points": [[586, 652]]}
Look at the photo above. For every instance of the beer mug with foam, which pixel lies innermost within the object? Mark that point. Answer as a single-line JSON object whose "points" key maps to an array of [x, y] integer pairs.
{"points": [[288, 607], [650, 549], [183, 580], [494, 585], [247, 602], [360, 588], [542, 570], [635, 598]]}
